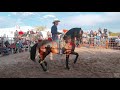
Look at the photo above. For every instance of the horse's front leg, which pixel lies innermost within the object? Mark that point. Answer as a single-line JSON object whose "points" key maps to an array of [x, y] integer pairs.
{"points": [[77, 55], [37, 54], [43, 65]]}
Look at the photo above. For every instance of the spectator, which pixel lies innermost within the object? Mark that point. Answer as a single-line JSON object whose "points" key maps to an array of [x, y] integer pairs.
{"points": [[95, 33], [40, 35], [91, 33], [16, 33], [49, 34], [98, 40], [7, 43], [118, 40], [21, 43], [102, 41]]}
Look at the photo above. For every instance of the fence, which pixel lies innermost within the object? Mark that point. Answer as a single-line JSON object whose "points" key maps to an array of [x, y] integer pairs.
{"points": [[86, 42], [12, 48], [103, 43]]}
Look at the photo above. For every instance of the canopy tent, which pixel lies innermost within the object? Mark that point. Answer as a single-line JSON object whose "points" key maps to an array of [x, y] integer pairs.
{"points": [[21, 32], [65, 31]]}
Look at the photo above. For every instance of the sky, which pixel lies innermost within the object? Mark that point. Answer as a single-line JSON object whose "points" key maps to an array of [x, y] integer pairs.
{"points": [[85, 20]]}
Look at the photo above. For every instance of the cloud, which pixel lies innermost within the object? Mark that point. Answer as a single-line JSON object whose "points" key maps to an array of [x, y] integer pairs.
{"points": [[14, 13], [16, 18], [6, 22], [92, 19], [19, 21], [28, 13], [23, 13], [49, 16]]}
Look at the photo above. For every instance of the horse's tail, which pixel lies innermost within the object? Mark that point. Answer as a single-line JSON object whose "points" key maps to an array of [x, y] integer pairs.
{"points": [[33, 52]]}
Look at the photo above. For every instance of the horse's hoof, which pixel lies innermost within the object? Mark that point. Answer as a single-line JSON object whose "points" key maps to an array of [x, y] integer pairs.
{"points": [[73, 65], [47, 71], [34, 60], [67, 68]]}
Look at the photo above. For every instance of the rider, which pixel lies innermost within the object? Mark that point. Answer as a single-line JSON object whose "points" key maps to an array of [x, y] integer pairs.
{"points": [[54, 29], [55, 32]]}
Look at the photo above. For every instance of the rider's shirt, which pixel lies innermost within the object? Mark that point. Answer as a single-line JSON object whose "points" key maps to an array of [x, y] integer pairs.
{"points": [[54, 29]]}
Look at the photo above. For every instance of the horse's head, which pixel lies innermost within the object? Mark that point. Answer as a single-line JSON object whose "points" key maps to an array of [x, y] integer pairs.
{"points": [[68, 39]]}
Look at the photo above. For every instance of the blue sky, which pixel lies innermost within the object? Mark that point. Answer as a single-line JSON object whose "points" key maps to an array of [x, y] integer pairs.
{"points": [[85, 20]]}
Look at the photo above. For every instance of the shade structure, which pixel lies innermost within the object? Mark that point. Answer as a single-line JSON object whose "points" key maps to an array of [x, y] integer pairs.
{"points": [[65, 30], [21, 32]]}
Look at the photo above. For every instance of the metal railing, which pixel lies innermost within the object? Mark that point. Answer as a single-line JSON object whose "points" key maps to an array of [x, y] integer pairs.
{"points": [[12, 48], [104, 43]]}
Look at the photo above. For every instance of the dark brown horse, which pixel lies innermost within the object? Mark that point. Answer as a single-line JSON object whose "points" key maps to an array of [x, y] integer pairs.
{"points": [[45, 47]]}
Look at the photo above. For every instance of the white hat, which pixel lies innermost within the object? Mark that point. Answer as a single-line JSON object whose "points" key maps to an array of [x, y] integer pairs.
{"points": [[56, 20]]}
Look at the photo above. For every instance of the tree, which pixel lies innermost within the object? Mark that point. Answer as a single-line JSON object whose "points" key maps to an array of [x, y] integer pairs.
{"points": [[110, 33], [40, 28]]}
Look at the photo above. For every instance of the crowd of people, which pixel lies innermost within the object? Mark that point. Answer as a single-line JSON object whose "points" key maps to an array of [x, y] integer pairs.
{"points": [[96, 38]]}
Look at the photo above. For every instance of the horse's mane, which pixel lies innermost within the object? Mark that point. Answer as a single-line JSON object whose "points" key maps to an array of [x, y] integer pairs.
{"points": [[74, 32]]}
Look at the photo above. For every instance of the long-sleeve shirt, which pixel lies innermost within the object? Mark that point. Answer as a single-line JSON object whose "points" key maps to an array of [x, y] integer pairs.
{"points": [[54, 29]]}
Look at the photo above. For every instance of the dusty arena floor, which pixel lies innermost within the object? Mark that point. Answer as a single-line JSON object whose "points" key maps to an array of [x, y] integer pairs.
{"points": [[92, 63]]}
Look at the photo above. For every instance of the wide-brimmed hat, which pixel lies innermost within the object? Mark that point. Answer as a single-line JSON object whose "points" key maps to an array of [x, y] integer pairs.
{"points": [[56, 20]]}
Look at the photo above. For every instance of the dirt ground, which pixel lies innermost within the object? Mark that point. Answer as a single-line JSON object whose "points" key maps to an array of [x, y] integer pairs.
{"points": [[92, 63]]}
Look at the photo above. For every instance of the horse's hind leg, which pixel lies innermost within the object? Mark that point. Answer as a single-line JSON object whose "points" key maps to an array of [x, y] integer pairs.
{"points": [[67, 62], [42, 62]]}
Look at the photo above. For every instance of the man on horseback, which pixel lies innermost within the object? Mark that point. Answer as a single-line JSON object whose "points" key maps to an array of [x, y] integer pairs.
{"points": [[54, 29], [55, 33]]}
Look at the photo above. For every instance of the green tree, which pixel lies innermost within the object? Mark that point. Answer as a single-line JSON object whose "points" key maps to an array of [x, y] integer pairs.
{"points": [[110, 33], [40, 28]]}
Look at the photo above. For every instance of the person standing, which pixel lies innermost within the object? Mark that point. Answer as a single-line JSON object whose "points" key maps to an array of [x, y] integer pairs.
{"points": [[49, 34], [40, 35], [16, 34]]}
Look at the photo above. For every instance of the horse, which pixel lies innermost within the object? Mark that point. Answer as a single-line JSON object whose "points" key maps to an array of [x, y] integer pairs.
{"points": [[45, 47]]}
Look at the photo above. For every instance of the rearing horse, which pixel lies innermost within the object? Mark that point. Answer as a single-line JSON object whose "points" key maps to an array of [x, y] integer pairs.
{"points": [[46, 47]]}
